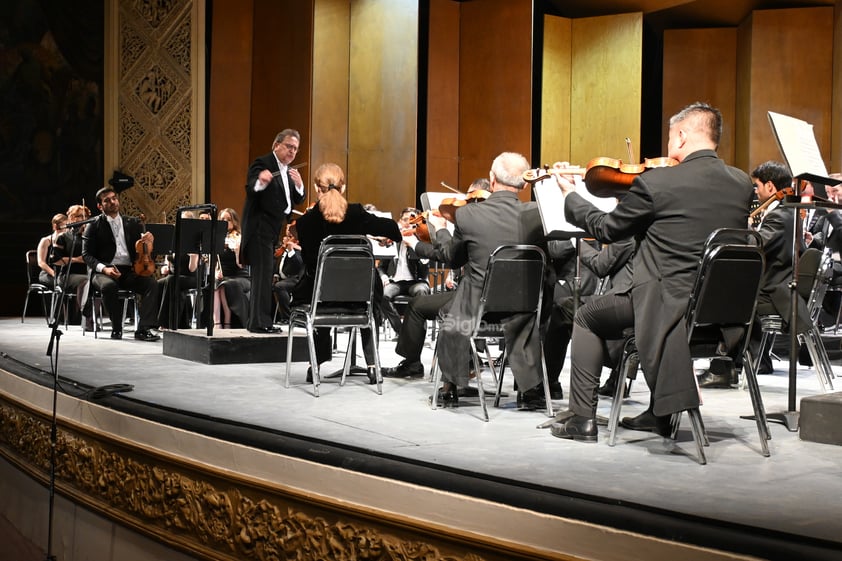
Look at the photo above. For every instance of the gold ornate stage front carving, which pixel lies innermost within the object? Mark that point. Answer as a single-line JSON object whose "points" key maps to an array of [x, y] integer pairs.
{"points": [[154, 131], [214, 514]]}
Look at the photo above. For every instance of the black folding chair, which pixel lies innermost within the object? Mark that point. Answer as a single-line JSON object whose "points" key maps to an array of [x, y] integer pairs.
{"points": [[342, 298], [723, 300], [514, 284], [35, 286]]}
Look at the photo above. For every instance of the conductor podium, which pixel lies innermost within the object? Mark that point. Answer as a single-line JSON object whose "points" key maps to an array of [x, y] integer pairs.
{"points": [[233, 346]]}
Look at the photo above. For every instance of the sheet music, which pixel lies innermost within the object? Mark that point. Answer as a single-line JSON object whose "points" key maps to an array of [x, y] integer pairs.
{"points": [[431, 200], [797, 143], [551, 206]]}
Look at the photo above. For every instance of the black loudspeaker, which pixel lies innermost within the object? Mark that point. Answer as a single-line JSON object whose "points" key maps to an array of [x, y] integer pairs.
{"points": [[120, 181]]}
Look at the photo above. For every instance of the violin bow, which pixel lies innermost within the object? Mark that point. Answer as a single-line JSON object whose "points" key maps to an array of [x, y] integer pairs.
{"points": [[446, 186]]}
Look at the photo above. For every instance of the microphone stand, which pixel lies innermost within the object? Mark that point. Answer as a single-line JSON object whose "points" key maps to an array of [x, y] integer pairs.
{"points": [[53, 353]]}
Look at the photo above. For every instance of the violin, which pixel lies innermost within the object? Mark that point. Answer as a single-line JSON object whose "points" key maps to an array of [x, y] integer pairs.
{"points": [[290, 236], [144, 264], [418, 227], [605, 177], [448, 206]]}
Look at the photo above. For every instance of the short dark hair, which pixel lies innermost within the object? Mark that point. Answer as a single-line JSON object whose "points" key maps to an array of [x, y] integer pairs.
{"points": [[102, 192], [776, 172], [708, 116]]}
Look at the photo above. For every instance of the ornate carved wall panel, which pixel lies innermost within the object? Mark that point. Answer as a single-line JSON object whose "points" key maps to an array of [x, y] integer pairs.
{"points": [[157, 131], [218, 515]]}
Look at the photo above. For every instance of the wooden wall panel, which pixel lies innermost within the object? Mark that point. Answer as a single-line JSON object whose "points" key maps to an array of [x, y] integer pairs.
{"points": [[331, 60], [443, 96], [495, 96], [836, 100], [606, 88], [229, 102], [701, 65], [791, 72], [282, 62], [383, 103], [555, 90]]}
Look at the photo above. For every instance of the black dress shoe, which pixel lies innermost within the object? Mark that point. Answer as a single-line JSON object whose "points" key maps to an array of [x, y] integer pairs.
{"points": [[144, 335], [532, 399], [576, 427], [710, 380], [265, 330], [406, 369], [116, 334], [560, 417], [446, 399], [649, 422], [556, 391], [372, 375]]}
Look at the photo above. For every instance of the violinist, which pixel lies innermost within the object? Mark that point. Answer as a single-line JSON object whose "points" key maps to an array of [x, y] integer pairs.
{"points": [[404, 275], [671, 211], [232, 277], [108, 247], [68, 250], [479, 230], [290, 269], [776, 229]]}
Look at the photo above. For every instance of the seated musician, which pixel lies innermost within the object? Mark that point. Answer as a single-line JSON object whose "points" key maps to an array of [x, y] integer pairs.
{"points": [[671, 211], [290, 269], [823, 229], [187, 279], [334, 215], [108, 247], [405, 275], [45, 253], [68, 250], [233, 282]]}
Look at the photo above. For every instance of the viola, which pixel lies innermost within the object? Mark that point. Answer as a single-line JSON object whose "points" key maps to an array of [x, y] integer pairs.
{"points": [[144, 264], [605, 177], [418, 227]]}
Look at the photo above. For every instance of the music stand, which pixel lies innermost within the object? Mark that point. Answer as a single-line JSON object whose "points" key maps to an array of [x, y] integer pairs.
{"points": [[797, 144], [205, 237]]}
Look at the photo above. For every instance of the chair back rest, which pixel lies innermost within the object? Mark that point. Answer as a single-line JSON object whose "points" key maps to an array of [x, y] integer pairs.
{"points": [[344, 276], [32, 268], [726, 287], [815, 269], [514, 281]]}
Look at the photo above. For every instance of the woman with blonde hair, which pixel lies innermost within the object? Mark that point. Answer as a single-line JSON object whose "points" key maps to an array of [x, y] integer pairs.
{"points": [[334, 215]]}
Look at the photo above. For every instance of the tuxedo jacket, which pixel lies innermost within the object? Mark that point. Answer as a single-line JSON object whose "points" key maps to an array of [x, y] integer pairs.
{"points": [[263, 213], [671, 211], [419, 271], [98, 244]]}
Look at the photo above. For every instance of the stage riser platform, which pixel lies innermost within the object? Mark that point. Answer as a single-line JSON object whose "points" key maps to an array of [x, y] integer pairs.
{"points": [[227, 346], [821, 418]]}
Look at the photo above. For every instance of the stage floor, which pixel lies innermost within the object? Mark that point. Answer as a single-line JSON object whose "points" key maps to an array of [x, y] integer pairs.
{"points": [[745, 499]]}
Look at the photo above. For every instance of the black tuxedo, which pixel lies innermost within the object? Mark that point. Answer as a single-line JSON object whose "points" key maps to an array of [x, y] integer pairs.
{"points": [[671, 211], [98, 249], [290, 270], [264, 216]]}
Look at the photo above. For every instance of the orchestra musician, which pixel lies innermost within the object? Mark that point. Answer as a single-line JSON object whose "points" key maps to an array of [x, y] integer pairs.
{"points": [[109, 249], [479, 230], [334, 215], [671, 211]]}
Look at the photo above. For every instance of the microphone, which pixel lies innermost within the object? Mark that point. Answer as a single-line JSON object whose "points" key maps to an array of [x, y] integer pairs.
{"points": [[81, 222]]}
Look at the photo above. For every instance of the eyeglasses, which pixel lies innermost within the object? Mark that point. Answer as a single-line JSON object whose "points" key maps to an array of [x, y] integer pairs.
{"points": [[290, 147]]}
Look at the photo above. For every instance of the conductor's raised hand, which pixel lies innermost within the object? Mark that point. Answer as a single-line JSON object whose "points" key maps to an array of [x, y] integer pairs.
{"points": [[296, 178]]}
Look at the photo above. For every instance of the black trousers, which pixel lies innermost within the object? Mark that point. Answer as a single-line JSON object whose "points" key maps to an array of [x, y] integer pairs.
{"points": [[414, 328], [602, 319], [145, 287]]}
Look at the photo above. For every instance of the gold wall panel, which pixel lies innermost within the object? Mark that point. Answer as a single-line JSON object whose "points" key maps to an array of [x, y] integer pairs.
{"points": [[331, 68], [788, 57], [443, 97], [556, 91], [606, 86], [156, 110], [701, 65], [383, 103], [495, 83]]}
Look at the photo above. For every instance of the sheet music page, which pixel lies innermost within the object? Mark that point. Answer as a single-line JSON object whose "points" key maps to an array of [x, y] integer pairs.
{"points": [[551, 206], [797, 143]]}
